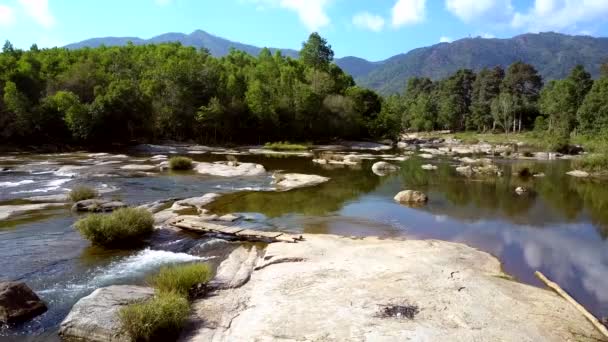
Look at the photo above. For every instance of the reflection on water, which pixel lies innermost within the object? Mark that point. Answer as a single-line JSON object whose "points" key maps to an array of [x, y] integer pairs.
{"points": [[560, 227]]}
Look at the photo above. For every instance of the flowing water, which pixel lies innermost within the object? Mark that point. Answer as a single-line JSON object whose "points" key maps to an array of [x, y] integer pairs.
{"points": [[559, 228]]}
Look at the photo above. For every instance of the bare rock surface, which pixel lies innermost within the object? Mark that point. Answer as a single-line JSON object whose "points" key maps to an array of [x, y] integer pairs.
{"points": [[94, 318], [18, 303], [411, 196], [578, 174], [330, 288], [97, 205], [12, 211], [290, 181], [229, 169]]}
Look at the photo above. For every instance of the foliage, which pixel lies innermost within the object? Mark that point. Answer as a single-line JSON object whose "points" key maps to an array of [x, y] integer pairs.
{"points": [[593, 113], [81, 192], [158, 319], [592, 163], [123, 227], [181, 279], [180, 163], [286, 146]]}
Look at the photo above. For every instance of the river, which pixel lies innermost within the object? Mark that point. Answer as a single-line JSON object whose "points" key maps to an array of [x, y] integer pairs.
{"points": [[559, 228]]}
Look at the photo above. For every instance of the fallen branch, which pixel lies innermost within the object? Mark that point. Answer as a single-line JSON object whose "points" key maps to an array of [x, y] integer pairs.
{"points": [[599, 326]]}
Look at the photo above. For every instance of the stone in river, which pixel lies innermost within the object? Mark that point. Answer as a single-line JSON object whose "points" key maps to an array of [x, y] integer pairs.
{"points": [[290, 181], [383, 168], [97, 205], [229, 169], [11, 211], [411, 196], [578, 174], [18, 303]]}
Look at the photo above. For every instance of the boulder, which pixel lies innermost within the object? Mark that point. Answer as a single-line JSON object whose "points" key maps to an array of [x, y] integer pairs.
{"points": [[383, 168], [18, 303], [97, 205], [290, 181], [411, 196], [94, 318], [429, 167], [578, 174], [229, 169], [520, 190]]}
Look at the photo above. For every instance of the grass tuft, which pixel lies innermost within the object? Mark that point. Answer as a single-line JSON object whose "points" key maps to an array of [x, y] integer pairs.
{"points": [[180, 163], [594, 163], [121, 228], [181, 279], [81, 193], [286, 146], [158, 319]]}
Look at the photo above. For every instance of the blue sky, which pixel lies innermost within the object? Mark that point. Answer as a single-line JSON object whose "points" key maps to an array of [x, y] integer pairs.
{"points": [[372, 29]]}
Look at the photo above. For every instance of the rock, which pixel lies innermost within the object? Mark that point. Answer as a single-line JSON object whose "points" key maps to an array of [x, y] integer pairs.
{"points": [[383, 168], [330, 288], [139, 167], [465, 170], [94, 318], [520, 190], [539, 175], [69, 170], [157, 206], [60, 198], [426, 156], [163, 216], [12, 211], [362, 145], [338, 159], [268, 152], [290, 181], [97, 205], [229, 217], [429, 167], [236, 269], [196, 202], [18, 303], [578, 174], [411, 196], [229, 169]]}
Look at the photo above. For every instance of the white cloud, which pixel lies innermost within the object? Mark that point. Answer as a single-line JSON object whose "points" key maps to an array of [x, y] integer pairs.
{"points": [[471, 10], [7, 16], [369, 21], [561, 15], [163, 2], [445, 39], [312, 13], [39, 11], [407, 12]]}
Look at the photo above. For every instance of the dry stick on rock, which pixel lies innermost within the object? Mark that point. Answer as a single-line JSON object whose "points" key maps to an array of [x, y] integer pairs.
{"points": [[599, 326]]}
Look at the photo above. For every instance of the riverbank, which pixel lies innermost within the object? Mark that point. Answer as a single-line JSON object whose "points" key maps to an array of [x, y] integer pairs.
{"points": [[332, 288]]}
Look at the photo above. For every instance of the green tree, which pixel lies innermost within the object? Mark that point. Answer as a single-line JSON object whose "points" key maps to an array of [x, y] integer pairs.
{"points": [[504, 109], [593, 113], [423, 113], [522, 82], [558, 102], [582, 82], [485, 89], [316, 52]]}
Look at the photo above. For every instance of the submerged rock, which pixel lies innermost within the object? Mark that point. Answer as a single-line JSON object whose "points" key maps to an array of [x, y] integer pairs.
{"points": [[97, 205], [330, 288], [229, 169], [411, 196], [18, 303], [383, 168], [290, 181], [94, 318]]}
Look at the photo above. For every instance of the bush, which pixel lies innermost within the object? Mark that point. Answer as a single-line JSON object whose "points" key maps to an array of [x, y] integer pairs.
{"points": [[180, 163], [286, 146], [595, 163], [160, 318], [81, 193], [181, 279], [122, 227]]}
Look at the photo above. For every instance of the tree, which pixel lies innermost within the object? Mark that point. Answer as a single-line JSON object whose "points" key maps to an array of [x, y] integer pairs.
{"points": [[485, 89], [558, 101], [582, 83], [593, 113], [423, 113], [522, 82], [76, 115], [316, 52], [504, 109], [454, 96]]}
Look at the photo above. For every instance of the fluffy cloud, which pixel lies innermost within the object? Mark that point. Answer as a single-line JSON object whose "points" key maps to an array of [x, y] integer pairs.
{"points": [[312, 13], [406, 12], [369, 21], [471, 10], [7, 16], [39, 11], [445, 39], [561, 14]]}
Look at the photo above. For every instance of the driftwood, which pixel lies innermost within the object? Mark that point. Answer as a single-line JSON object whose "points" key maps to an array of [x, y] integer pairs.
{"points": [[599, 326], [196, 224]]}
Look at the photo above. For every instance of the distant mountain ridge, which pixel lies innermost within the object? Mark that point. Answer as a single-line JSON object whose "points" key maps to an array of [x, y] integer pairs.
{"points": [[553, 54]]}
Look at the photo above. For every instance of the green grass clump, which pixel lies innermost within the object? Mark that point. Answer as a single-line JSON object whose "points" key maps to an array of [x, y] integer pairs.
{"points": [[181, 279], [180, 163], [81, 193], [122, 227], [595, 163], [158, 319], [286, 146]]}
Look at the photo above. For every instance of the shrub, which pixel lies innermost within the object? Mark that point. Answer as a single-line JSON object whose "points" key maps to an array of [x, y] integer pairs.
{"points": [[181, 279], [180, 163], [122, 227], [596, 163], [286, 146], [80, 193], [160, 318]]}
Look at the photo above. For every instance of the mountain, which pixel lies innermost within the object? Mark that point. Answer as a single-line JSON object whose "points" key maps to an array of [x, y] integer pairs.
{"points": [[553, 54], [217, 46]]}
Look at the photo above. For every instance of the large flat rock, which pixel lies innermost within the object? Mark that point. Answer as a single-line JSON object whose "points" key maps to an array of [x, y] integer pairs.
{"points": [[229, 169], [331, 288]]}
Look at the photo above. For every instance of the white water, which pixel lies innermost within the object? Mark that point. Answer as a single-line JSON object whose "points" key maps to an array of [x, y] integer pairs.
{"points": [[15, 184], [53, 185]]}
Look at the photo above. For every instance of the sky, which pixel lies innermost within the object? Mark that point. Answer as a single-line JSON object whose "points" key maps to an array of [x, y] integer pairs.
{"points": [[371, 29]]}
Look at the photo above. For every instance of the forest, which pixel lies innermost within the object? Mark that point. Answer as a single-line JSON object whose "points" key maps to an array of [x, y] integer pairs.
{"points": [[106, 95]]}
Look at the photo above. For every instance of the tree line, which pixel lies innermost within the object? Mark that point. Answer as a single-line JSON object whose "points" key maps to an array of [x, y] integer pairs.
{"points": [[169, 91], [172, 92]]}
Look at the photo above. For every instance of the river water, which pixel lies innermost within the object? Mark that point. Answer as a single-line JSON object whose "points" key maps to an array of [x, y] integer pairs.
{"points": [[559, 228]]}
